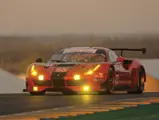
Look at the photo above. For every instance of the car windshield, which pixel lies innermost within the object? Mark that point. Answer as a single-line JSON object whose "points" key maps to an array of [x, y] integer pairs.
{"points": [[78, 57]]}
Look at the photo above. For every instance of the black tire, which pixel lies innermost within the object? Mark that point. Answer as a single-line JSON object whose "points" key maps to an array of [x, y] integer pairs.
{"points": [[109, 84], [141, 83], [37, 93]]}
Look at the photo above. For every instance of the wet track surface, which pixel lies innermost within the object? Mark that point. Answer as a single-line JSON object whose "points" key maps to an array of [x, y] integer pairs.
{"points": [[18, 103]]}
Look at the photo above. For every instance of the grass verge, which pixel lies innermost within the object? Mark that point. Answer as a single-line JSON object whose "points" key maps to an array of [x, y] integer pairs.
{"points": [[143, 112]]}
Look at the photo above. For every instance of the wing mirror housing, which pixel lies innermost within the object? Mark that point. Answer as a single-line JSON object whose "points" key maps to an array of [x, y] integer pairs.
{"points": [[120, 59], [39, 60]]}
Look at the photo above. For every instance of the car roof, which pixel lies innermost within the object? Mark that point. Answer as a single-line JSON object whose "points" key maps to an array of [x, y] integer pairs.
{"points": [[83, 49]]}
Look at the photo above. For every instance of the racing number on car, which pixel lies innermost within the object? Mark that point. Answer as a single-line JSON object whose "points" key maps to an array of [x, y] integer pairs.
{"points": [[61, 69], [100, 76]]}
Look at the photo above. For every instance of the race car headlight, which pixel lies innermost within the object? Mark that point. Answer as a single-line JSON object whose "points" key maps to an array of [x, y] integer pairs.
{"points": [[41, 77], [76, 77], [35, 88], [90, 72], [86, 88], [34, 73]]}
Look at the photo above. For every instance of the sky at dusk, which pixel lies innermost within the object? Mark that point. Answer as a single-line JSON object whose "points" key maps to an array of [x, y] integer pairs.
{"points": [[47, 17]]}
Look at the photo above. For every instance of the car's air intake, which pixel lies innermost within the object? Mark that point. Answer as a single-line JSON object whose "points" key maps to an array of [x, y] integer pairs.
{"points": [[58, 79]]}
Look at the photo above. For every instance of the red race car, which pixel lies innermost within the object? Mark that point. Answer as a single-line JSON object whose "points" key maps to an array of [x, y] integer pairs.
{"points": [[86, 69]]}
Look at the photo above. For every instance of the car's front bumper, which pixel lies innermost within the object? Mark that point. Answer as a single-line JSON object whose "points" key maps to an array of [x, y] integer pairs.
{"points": [[69, 85]]}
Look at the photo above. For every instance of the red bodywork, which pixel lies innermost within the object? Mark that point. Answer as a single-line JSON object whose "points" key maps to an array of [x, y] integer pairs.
{"points": [[125, 75]]}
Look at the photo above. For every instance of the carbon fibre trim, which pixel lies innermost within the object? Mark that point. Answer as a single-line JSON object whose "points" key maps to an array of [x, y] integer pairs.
{"points": [[75, 82], [66, 65], [43, 83], [58, 79], [58, 75]]}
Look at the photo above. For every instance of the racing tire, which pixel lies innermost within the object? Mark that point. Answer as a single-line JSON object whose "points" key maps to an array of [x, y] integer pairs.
{"points": [[109, 84], [37, 93], [141, 83]]}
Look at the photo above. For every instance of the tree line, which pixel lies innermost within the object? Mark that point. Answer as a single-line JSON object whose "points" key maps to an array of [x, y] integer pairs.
{"points": [[16, 53]]}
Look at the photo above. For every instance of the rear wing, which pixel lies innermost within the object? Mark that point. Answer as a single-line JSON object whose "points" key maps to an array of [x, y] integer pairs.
{"points": [[143, 50]]}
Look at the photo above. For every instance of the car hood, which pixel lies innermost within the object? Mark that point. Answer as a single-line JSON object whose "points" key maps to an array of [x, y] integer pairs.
{"points": [[70, 68]]}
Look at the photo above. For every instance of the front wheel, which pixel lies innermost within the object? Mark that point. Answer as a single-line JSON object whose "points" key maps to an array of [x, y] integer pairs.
{"points": [[37, 93], [109, 84], [111, 77]]}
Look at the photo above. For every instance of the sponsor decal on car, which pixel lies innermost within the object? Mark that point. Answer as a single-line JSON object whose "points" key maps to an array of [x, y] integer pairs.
{"points": [[59, 69]]}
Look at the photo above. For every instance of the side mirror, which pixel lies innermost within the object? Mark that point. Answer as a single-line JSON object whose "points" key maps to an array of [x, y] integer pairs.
{"points": [[143, 50], [120, 59], [39, 60]]}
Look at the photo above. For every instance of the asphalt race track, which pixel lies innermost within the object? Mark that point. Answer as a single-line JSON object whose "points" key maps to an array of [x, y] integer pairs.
{"points": [[19, 103]]}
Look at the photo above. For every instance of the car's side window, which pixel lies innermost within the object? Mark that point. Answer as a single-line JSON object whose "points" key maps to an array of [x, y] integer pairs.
{"points": [[114, 55], [59, 52], [100, 51], [112, 58]]}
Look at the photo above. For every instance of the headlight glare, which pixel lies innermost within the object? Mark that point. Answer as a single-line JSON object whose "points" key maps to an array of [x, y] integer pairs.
{"points": [[86, 88], [41, 77], [34, 73], [90, 72], [76, 77]]}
